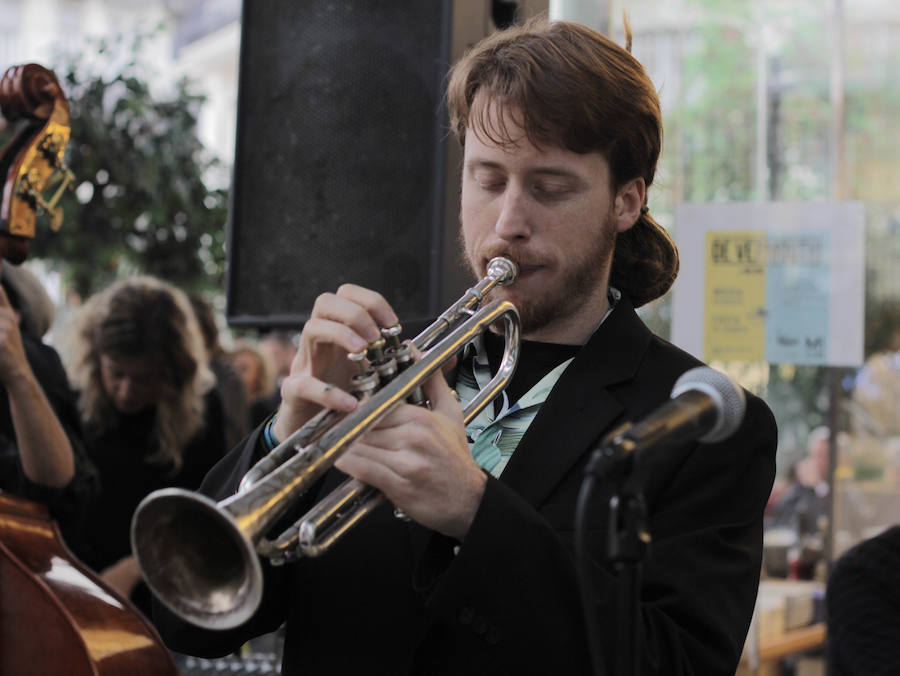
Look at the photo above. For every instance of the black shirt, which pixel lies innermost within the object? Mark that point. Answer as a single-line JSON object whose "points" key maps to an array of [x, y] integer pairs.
{"points": [[535, 361]]}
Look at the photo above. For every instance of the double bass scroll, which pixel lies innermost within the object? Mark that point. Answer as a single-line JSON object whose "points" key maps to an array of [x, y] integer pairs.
{"points": [[33, 161]]}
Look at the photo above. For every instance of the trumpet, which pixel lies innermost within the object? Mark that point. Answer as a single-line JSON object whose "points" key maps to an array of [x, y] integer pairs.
{"points": [[201, 558]]}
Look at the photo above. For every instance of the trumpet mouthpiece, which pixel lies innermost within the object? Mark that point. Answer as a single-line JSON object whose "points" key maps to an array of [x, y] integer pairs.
{"points": [[503, 270]]}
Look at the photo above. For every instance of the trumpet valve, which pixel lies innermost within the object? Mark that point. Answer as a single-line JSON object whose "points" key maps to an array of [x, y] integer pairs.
{"points": [[365, 382], [402, 355], [392, 336], [383, 363], [386, 369], [363, 386], [376, 350], [359, 360]]}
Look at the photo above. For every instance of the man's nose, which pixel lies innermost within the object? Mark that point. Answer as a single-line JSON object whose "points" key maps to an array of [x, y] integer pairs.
{"points": [[513, 221]]}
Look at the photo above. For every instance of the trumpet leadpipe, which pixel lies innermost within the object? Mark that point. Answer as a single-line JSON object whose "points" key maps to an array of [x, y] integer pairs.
{"points": [[500, 272]]}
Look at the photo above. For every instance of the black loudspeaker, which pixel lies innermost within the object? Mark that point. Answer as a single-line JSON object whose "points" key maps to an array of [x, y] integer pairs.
{"points": [[344, 167]]}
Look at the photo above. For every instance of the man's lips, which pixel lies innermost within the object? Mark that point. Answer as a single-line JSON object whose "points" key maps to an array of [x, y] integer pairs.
{"points": [[525, 268], [529, 268]]}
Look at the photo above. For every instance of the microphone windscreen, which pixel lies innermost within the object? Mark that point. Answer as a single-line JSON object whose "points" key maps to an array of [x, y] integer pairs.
{"points": [[728, 398]]}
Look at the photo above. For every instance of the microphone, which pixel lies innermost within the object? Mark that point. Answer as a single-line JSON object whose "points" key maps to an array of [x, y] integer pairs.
{"points": [[706, 405]]}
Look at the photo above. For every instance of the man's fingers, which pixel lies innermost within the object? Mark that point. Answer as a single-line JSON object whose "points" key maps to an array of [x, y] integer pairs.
{"points": [[301, 396], [331, 307], [368, 464], [372, 301], [4, 300], [362, 310], [443, 399], [436, 389], [319, 330], [449, 365], [404, 428], [311, 389]]}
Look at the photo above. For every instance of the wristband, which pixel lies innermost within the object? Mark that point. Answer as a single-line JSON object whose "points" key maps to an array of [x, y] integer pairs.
{"points": [[269, 438]]}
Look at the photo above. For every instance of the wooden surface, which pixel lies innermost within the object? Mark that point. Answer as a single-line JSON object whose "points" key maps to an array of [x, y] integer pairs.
{"points": [[56, 616], [772, 650], [792, 642]]}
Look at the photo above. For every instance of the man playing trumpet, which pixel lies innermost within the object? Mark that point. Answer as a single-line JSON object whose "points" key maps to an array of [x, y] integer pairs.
{"points": [[561, 131]]}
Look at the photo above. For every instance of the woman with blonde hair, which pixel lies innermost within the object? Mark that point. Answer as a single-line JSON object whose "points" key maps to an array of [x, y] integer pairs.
{"points": [[254, 369], [259, 380], [151, 416]]}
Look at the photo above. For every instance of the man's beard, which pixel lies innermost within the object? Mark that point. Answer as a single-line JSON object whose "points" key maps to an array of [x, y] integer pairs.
{"points": [[569, 292]]}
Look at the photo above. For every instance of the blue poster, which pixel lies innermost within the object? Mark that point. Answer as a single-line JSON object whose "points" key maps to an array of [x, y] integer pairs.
{"points": [[797, 297]]}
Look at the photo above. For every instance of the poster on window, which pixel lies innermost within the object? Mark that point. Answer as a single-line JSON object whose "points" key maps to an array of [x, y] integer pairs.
{"points": [[775, 282]]}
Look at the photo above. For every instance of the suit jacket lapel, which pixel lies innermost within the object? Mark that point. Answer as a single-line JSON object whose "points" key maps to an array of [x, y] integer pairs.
{"points": [[580, 409]]}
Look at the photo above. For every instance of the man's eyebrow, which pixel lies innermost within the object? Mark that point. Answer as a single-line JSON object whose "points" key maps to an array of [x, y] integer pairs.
{"points": [[555, 171], [543, 171], [483, 164]]}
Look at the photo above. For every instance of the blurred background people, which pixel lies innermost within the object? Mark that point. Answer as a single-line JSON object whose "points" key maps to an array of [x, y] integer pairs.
{"points": [[804, 501], [272, 360], [798, 516], [229, 383], [279, 346], [151, 414], [876, 392], [257, 375], [42, 455]]}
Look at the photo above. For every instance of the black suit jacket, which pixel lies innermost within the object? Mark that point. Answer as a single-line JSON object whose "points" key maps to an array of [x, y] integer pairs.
{"points": [[395, 598]]}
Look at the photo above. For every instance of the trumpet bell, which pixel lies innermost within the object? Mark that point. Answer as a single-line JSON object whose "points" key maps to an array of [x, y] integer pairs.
{"points": [[195, 559]]}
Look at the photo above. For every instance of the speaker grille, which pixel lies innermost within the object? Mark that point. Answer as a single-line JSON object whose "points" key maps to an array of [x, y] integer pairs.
{"points": [[339, 165]]}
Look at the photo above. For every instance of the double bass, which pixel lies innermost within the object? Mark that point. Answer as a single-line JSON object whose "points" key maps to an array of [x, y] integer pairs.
{"points": [[56, 615]]}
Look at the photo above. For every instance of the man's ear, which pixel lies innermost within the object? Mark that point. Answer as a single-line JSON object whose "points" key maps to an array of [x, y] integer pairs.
{"points": [[628, 202]]}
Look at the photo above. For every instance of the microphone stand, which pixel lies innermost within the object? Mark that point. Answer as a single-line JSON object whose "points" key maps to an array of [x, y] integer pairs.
{"points": [[628, 540]]}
